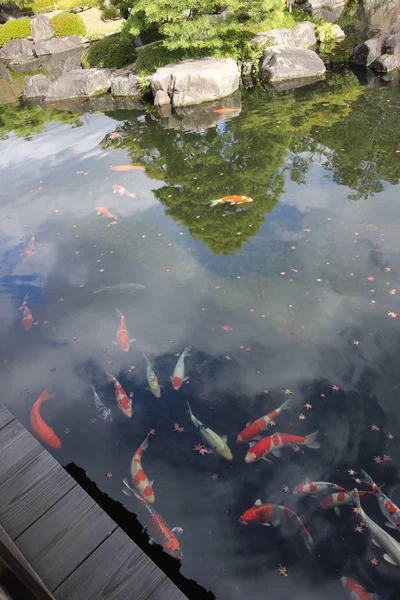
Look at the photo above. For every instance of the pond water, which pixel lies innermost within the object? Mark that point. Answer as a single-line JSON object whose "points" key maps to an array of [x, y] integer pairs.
{"points": [[295, 295]]}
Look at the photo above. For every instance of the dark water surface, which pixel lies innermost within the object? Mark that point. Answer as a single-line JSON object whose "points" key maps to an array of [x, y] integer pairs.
{"points": [[291, 292]]}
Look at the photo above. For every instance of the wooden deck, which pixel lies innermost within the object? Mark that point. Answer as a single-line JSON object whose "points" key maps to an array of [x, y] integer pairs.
{"points": [[74, 548]]}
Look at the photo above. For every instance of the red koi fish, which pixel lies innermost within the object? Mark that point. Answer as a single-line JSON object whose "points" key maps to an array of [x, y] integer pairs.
{"points": [[356, 591], [118, 189], [122, 399], [341, 499], [253, 429], [232, 200], [104, 211], [123, 339], [221, 111], [42, 430], [127, 168], [27, 314], [313, 488], [272, 514], [140, 481], [274, 443], [167, 536], [29, 248]]}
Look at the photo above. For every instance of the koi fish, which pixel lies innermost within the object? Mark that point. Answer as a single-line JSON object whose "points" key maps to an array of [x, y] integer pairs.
{"points": [[178, 376], [29, 248], [253, 429], [120, 287], [356, 590], [122, 399], [232, 200], [118, 189], [379, 536], [39, 426], [140, 481], [388, 508], [272, 514], [166, 535], [102, 411], [152, 379], [104, 211], [116, 135], [214, 442], [313, 488], [275, 442], [339, 499], [221, 111], [123, 339], [127, 167], [27, 314]]}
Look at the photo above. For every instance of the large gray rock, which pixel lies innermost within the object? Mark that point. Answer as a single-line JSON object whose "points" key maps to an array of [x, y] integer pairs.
{"points": [[301, 36], [390, 57], [41, 29], [161, 98], [194, 81], [23, 63], [126, 84], [56, 45], [328, 10], [80, 83], [15, 47], [379, 15], [383, 44], [36, 86], [282, 63]]}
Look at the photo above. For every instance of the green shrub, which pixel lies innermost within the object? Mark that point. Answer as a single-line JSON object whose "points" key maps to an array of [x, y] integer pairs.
{"points": [[325, 33], [153, 56], [68, 24], [42, 6], [12, 30], [114, 51]]}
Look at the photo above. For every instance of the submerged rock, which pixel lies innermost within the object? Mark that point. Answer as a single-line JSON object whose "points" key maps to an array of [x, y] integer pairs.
{"points": [[17, 47], [80, 83], [41, 28], [194, 81], [126, 84], [301, 36], [381, 52], [36, 86], [283, 63], [56, 45]]}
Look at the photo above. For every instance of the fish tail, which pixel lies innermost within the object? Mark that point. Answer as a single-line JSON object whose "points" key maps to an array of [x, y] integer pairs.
{"points": [[215, 202], [46, 395], [365, 478], [309, 542], [190, 410], [110, 377], [119, 313], [27, 296], [286, 405], [356, 497], [311, 441]]}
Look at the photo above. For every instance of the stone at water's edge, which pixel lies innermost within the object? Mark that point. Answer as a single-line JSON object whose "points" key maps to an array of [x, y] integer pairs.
{"points": [[301, 36], [80, 83], [24, 64], [36, 86], [161, 98], [381, 53], [41, 28], [282, 63], [379, 15], [194, 81], [126, 84], [14, 47], [56, 45], [390, 57]]}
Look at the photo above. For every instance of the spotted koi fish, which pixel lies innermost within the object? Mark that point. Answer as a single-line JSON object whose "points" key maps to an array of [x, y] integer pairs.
{"points": [[139, 478], [124, 403], [313, 488], [253, 429], [167, 536], [356, 590], [27, 317], [123, 339], [274, 443], [178, 376], [388, 508], [29, 248], [152, 380], [102, 411], [232, 200], [272, 514], [118, 189], [340, 499]]}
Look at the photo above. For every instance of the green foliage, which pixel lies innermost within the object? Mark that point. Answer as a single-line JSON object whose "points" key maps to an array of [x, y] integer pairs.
{"points": [[43, 6], [325, 33], [155, 55], [114, 9], [20, 28], [145, 85], [65, 24], [114, 51]]}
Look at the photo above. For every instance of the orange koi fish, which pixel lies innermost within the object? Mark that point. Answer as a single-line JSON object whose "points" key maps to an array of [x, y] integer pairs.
{"points": [[232, 200], [122, 399], [104, 211], [356, 591], [27, 314], [140, 481], [167, 536], [123, 339], [118, 189], [116, 135], [221, 111], [29, 248], [274, 443], [253, 429], [42, 430], [127, 168]]}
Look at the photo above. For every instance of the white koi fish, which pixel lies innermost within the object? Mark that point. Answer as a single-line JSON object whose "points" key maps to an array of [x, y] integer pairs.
{"points": [[123, 339], [102, 411], [178, 376], [152, 378], [214, 442], [139, 478], [122, 399]]}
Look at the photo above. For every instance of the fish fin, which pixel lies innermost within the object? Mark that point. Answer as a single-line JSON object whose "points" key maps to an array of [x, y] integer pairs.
{"points": [[119, 313], [215, 202], [110, 377], [373, 540], [177, 530], [258, 437], [209, 450], [374, 596], [390, 525], [337, 511], [257, 502], [311, 441], [365, 478], [248, 423], [276, 520], [251, 444], [390, 560], [151, 483], [276, 452], [126, 484], [224, 438], [133, 195], [286, 405], [309, 542], [190, 410], [125, 491], [267, 460], [185, 379], [171, 377], [266, 524], [132, 340]]}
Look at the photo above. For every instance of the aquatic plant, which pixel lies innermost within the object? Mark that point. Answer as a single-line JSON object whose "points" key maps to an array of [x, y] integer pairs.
{"points": [[65, 24]]}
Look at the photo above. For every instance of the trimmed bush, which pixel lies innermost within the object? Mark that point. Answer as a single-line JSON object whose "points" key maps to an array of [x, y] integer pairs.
{"points": [[65, 24], [12, 30], [113, 51]]}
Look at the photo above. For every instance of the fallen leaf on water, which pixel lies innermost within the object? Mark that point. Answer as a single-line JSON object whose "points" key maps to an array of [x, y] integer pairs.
{"points": [[109, 474], [378, 460], [335, 388], [375, 428], [392, 314], [287, 391], [282, 571]]}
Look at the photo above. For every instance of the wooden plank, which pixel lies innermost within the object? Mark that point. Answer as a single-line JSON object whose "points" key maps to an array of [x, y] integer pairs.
{"points": [[117, 570], [58, 542], [31, 491], [17, 448], [5, 416]]}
